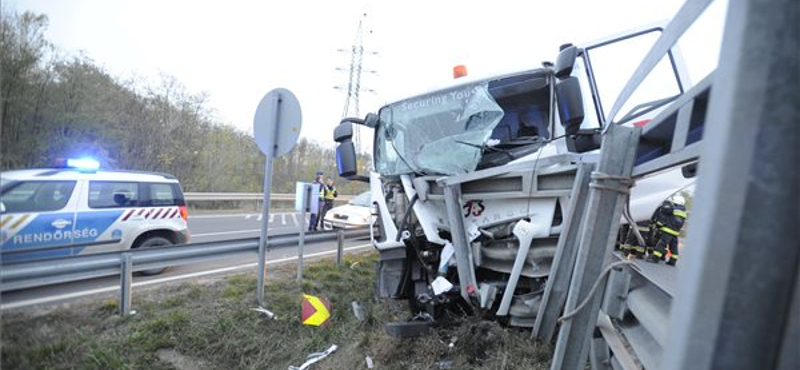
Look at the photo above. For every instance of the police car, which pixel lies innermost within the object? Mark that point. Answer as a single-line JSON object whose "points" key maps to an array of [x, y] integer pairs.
{"points": [[87, 210]]}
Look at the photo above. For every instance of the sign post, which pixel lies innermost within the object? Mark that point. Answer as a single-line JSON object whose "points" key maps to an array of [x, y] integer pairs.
{"points": [[306, 200], [276, 128]]}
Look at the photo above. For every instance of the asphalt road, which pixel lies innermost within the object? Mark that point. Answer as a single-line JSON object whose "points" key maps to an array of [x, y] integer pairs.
{"points": [[203, 228], [207, 228]]}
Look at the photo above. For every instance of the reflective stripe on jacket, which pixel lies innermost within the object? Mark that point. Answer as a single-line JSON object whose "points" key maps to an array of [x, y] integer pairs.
{"points": [[329, 193]]}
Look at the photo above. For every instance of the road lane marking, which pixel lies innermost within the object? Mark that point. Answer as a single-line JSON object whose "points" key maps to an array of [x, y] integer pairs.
{"points": [[246, 216], [221, 216], [225, 233], [233, 232], [283, 219], [294, 217], [168, 279]]}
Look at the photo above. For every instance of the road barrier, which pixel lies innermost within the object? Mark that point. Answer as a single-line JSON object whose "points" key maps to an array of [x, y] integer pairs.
{"points": [[733, 306], [207, 197], [27, 274]]}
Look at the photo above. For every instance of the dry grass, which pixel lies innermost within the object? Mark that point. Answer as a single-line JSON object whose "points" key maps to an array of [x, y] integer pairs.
{"points": [[211, 326]]}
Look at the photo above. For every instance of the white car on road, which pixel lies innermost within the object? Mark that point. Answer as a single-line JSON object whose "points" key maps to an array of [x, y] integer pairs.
{"points": [[356, 213]]}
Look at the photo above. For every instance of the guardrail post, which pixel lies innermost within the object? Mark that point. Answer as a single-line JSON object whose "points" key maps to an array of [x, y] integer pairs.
{"points": [[617, 287], [599, 231], [339, 246], [301, 243], [466, 273], [600, 358], [125, 277], [555, 292]]}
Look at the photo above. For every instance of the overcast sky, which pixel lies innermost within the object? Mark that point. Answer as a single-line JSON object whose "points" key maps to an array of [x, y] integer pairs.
{"points": [[236, 51]]}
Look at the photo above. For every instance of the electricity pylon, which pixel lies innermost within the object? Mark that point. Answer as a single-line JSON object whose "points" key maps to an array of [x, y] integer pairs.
{"points": [[354, 88]]}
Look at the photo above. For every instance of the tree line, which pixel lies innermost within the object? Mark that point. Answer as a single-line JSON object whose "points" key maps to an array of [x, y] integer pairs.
{"points": [[58, 106]]}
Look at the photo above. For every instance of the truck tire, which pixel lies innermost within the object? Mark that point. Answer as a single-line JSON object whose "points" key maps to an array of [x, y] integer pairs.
{"points": [[152, 242]]}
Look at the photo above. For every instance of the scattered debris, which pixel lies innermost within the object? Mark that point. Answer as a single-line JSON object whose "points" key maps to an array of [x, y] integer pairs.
{"points": [[358, 311], [445, 364], [441, 285], [266, 312], [370, 364], [417, 326], [452, 342], [314, 358]]}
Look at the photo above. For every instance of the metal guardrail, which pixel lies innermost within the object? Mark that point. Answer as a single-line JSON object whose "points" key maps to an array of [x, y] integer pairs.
{"points": [[199, 197], [631, 316], [646, 315], [27, 274], [631, 310]]}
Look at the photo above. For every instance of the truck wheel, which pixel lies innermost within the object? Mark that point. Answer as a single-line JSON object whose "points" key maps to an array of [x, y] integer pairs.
{"points": [[153, 242]]}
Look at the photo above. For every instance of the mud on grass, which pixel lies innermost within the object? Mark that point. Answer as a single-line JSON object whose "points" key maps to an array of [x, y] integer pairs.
{"points": [[209, 325]]}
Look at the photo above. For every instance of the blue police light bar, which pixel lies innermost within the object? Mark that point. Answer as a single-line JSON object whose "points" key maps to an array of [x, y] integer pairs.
{"points": [[85, 164]]}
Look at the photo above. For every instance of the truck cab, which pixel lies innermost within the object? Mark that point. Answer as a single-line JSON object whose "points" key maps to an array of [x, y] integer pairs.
{"points": [[457, 168]]}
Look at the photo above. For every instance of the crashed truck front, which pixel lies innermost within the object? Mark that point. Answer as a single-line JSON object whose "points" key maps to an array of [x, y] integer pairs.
{"points": [[470, 184]]}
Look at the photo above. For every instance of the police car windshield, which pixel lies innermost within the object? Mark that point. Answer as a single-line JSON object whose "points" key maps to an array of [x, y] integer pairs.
{"points": [[362, 200], [4, 183], [36, 196]]}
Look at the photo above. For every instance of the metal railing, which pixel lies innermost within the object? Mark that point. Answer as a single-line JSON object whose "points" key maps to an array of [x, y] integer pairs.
{"points": [[16, 275], [588, 293], [199, 197], [619, 314]]}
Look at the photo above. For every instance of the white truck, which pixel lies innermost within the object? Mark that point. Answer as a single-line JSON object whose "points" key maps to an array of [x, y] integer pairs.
{"points": [[457, 169]]}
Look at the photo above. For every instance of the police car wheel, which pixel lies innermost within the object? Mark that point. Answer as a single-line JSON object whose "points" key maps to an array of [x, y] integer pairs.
{"points": [[152, 242]]}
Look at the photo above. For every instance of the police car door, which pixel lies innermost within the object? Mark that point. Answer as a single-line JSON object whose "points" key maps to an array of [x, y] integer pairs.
{"points": [[38, 215], [101, 217]]}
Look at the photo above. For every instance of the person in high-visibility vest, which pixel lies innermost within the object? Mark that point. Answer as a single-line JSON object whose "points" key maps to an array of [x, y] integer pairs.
{"points": [[666, 227], [328, 194], [631, 246]]}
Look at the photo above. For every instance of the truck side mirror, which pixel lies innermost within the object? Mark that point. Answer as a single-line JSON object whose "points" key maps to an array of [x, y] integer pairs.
{"points": [[342, 132], [371, 120], [346, 159], [345, 151], [570, 104], [565, 61]]}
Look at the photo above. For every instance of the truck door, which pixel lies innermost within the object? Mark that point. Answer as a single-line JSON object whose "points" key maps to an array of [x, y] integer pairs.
{"points": [[610, 63]]}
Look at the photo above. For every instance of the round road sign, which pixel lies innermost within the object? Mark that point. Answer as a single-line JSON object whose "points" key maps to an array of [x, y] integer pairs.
{"points": [[277, 122]]}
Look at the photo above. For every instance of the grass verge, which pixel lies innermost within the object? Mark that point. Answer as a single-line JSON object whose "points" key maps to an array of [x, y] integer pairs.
{"points": [[209, 325]]}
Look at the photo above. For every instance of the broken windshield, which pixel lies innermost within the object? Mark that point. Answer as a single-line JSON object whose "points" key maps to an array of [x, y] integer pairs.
{"points": [[439, 133]]}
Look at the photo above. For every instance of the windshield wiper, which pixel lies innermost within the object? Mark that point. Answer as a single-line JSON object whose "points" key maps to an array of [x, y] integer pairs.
{"points": [[485, 147]]}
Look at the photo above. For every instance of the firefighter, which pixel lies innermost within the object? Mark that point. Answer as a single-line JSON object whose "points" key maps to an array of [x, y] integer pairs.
{"points": [[666, 226], [630, 245], [328, 194]]}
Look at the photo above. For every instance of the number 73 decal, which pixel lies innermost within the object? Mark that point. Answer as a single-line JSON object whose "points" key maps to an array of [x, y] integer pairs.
{"points": [[474, 208]]}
